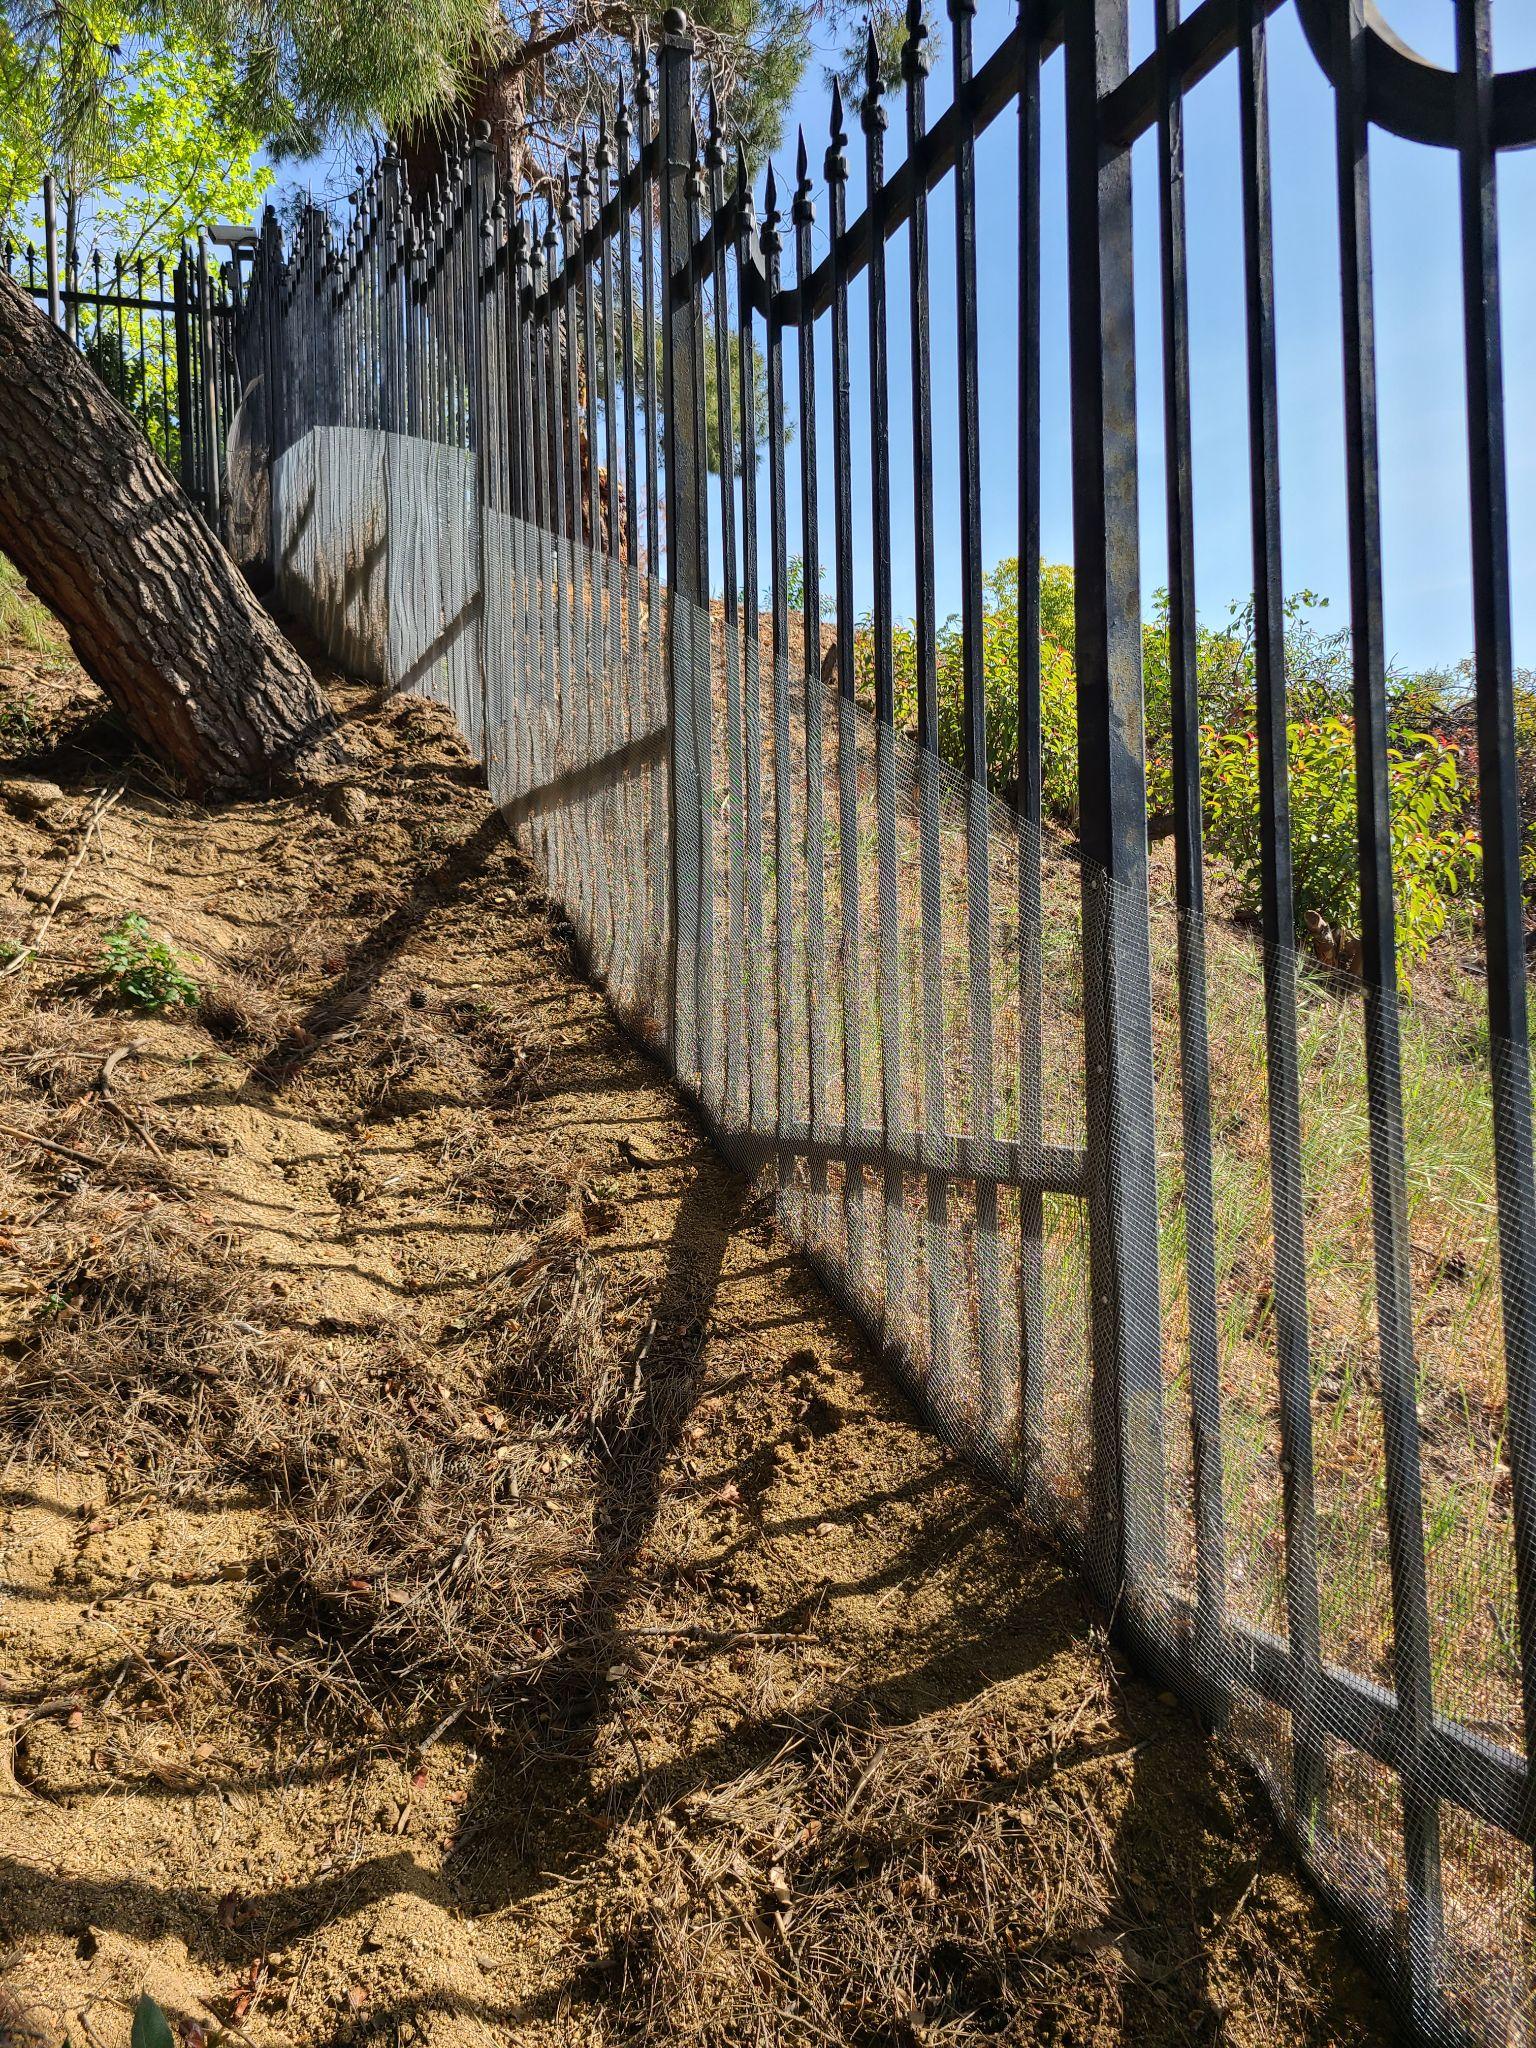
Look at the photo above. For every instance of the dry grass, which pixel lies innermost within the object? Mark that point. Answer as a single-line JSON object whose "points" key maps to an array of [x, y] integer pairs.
{"points": [[462, 1486], [439, 1555], [432, 1516], [973, 1875], [142, 1345], [240, 1009], [431, 1503], [24, 623]]}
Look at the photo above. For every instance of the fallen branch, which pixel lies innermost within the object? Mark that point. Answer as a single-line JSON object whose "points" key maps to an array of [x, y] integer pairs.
{"points": [[723, 1638], [28, 952], [22, 1137], [136, 1124]]}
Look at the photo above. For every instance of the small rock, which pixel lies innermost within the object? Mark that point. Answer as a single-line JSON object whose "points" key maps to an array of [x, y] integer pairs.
{"points": [[348, 806], [28, 796]]}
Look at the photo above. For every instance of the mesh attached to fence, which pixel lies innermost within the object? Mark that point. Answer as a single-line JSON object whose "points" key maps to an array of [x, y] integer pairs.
{"points": [[881, 985]]}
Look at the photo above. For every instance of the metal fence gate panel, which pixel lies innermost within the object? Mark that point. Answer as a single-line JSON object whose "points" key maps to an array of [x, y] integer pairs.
{"points": [[161, 342], [1038, 1117]]}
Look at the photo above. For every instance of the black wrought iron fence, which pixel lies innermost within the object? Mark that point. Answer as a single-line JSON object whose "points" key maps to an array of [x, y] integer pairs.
{"points": [[160, 337], [1150, 1209]]}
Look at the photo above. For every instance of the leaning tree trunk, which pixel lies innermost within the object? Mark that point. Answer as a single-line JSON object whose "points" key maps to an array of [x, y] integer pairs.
{"points": [[156, 611]]}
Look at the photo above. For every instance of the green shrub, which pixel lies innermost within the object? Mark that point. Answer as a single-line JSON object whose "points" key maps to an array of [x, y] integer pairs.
{"points": [[1417, 702], [1000, 680], [1434, 856], [140, 972]]}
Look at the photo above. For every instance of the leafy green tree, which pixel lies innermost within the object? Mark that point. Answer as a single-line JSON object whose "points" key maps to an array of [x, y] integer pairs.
{"points": [[170, 145], [148, 133]]}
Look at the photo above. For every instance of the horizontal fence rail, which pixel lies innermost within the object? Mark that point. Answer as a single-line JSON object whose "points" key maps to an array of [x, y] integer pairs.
{"points": [[161, 339], [580, 463]]}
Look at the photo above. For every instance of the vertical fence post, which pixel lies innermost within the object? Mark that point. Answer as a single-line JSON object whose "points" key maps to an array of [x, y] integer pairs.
{"points": [[392, 260], [183, 377], [273, 370], [51, 250], [487, 422], [685, 592], [208, 395], [1127, 1539]]}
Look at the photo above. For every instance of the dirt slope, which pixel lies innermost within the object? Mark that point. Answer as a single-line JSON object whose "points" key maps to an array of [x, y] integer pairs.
{"points": [[462, 1583]]}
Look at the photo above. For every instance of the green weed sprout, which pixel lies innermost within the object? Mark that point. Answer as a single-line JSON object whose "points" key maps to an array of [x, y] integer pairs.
{"points": [[142, 973]]}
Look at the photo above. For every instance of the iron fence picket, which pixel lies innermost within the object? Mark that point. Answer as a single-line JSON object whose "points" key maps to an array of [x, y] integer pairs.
{"points": [[1292, 1336]]}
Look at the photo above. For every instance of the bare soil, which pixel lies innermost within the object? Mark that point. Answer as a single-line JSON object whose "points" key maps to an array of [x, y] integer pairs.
{"points": [[463, 1582]]}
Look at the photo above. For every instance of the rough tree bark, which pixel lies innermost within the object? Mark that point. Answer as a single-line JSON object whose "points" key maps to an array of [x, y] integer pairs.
{"points": [[156, 611]]}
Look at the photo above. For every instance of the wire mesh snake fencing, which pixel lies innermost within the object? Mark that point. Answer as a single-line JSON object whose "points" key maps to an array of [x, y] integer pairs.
{"points": [[1134, 1197]]}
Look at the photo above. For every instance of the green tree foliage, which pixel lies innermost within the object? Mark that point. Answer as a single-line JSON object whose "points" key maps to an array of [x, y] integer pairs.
{"points": [[1000, 669], [301, 68], [304, 71], [167, 139], [148, 130]]}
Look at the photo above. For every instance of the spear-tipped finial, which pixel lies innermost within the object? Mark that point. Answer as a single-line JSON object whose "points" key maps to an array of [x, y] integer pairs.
{"points": [[835, 168], [916, 57], [769, 238], [645, 92], [872, 112], [714, 146], [801, 211], [567, 203], [621, 127], [746, 213], [551, 232], [604, 150], [584, 174]]}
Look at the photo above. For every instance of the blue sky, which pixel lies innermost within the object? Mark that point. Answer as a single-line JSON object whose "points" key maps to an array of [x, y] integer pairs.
{"points": [[1423, 434], [1422, 392]]}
